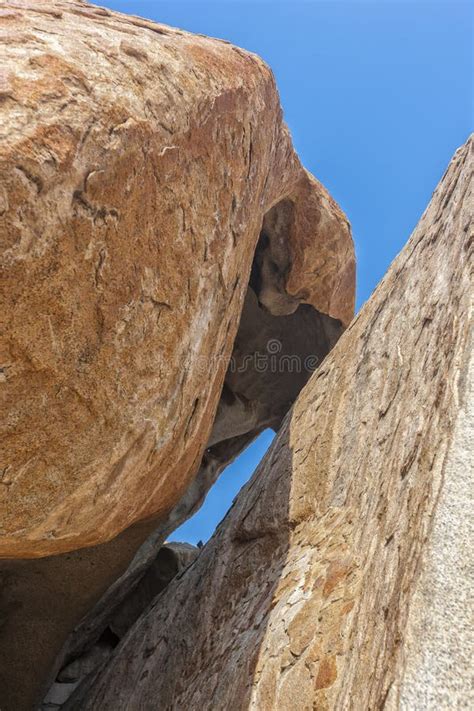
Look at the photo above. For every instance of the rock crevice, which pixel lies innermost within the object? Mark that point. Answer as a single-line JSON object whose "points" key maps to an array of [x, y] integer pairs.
{"points": [[309, 591], [140, 164], [127, 249]]}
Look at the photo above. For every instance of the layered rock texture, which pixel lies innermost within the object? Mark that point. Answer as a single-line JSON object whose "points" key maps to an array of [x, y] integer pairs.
{"points": [[140, 167], [336, 579]]}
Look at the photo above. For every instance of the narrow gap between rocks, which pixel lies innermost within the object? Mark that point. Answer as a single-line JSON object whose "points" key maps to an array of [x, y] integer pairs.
{"points": [[279, 343], [200, 527]]}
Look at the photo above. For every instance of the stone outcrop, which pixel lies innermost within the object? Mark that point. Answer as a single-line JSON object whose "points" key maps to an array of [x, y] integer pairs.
{"points": [[140, 166], [157, 232], [308, 595]]}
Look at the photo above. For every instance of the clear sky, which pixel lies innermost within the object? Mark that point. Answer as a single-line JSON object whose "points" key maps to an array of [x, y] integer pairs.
{"points": [[377, 94]]}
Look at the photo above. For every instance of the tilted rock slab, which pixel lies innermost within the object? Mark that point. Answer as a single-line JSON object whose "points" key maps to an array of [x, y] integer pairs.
{"points": [[137, 165], [302, 598]]}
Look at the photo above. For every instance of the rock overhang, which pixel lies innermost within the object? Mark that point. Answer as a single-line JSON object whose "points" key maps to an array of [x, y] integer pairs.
{"points": [[131, 222]]}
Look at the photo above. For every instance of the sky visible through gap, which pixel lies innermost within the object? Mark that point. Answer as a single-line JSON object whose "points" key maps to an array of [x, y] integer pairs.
{"points": [[377, 95]]}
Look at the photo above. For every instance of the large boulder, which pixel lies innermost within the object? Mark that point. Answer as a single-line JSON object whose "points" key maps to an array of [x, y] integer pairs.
{"points": [[157, 232], [140, 167], [335, 580]]}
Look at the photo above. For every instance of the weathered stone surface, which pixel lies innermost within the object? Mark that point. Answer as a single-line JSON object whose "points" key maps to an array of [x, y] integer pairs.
{"points": [[171, 559], [438, 641], [138, 165], [302, 598], [94, 640]]}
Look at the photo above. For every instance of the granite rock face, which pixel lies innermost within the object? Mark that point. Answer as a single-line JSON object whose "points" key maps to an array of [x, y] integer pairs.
{"points": [[147, 179], [154, 221], [308, 595]]}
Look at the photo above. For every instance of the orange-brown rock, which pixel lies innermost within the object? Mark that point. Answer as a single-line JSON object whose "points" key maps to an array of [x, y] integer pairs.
{"points": [[138, 164], [314, 591]]}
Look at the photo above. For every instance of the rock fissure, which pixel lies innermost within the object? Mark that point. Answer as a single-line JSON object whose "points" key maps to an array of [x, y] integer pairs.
{"points": [[327, 617]]}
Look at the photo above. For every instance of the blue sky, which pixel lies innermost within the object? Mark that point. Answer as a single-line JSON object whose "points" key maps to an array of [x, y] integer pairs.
{"points": [[377, 95]]}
